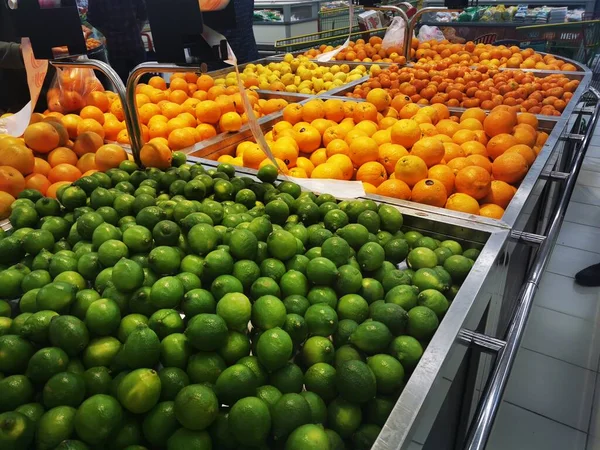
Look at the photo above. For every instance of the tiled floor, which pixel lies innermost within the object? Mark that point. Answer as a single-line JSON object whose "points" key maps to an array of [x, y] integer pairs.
{"points": [[552, 401]]}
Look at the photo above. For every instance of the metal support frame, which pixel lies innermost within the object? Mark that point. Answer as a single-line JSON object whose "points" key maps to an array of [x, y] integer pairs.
{"points": [[485, 415], [527, 238], [554, 175], [412, 23], [481, 341]]}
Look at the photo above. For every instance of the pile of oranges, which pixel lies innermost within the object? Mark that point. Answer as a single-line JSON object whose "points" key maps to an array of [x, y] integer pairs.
{"points": [[45, 158], [472, 87], [74, 89], [364, 51], [472, 163]]}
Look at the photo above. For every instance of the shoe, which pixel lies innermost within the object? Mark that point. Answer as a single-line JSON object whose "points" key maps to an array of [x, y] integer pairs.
{"points": [[590, 276]]}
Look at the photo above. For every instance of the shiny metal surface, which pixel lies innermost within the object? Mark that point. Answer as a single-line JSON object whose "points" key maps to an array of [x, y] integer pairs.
{"points": [[481, 427]]}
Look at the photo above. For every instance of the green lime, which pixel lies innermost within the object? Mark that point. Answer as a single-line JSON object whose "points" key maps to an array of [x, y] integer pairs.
{"points": [[139, 390], [165, 322], [166, 232], [101, 197], [298, 263], [61, 262], [281, 245], [422, 322], [427, 242], [111, 251], [353, 307], [58, 226], [103, 317], [268, 312], [98, 418], [16, 431], [33, 411], [313, 252], [321, 320], [346, 353], [101, 352], [264, 286], [335, 441], [267, 173], [370, 256], [149, 216], [14, 354], [250, 421], [18, 322], [322, 294], [403, 295], [36, 326], [345, 329], [68, 333], [236, 347], [296, 327], [320, 379], [243, 244], [365, 436], [11, 252], [344, 417], [272, 268], [194, 190], [235, 309], [335, 219], [269, 394], [453, 246], [73, 278], [87, 224], [83, 299], [16, 390], [296, 304], [471, 253], [192, 264], [138, 239], [412, 237], [349, 280], [225, 284], [290, 412], [393, 278], [160, 423], [355, 382], [391, 218], [56, 296], [164, 260], [45, 363], [24, 217], [205, 367], [10, 283], [235, 383], [421, 257], [142, 348], [189, 281], [309, 437], [36, 240], [370, 219], [196, 407], [321, 271], [274, 348], [167, 292], [278, 211], [206, 332], [378, 410], [389, 373], [288, 379], [247, 272], [218, 262], [371, 337], [64, 389], [198, 301], [429, 279], [129, 323], [175, 351], [97, 380], [434, 300], [127, 275], [32, 195], [337, 250], [317, 349], [458, 267], [184, 439], [407, 350]]}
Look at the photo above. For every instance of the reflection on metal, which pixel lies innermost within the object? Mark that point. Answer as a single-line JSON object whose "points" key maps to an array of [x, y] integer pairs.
{"points": [[527, 238], [485, 415], [482, 341], [572, 137], [554, 175]]}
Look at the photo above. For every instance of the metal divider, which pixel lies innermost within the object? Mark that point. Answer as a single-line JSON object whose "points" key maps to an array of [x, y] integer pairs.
{"points": [[485, 415]]}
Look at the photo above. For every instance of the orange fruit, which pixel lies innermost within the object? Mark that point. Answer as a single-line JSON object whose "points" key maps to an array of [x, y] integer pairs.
{"points": [[286, 152], [367, 126], [86, 162], [11, 180], [19, 157], [406, 132], [156, 154], [389, 154], [365, 111], [312, 110], [318, 157], [394, 188], [253, 156], [230, 122], [353, 134], [400, 101], [181, 138], [337, 146], [344, 163], [116, 108], [462, 136], [443, 174], [51, 192], [525, 151], [297, 172], [205, 82], [498, 144], [501, 193], [473, 113], [274, 105], [429, 150], [447, 127], [452, 150], [123, 137], [206, 131], [369, 188], [62, 155], [178, 96], [510, 167], [471, 124], [442, 111], [498, 122], [41, 166], [308, 138], [491, 210], [363, 149], [158, 129], [99, 100], [64, 172], [327, 171], [481, 161], [410, 169], [528, 119], [38, 182], [334, 110], [408, 110], [93, 112], [158, 83], [87, 142], [372, 172], [70, 122], [525, 135], [6, 200], [474, 181], [91, 125], [109, 156], [292, 113], [474, 148], [305, 164], [321, 125], [429, 192], [380, 98], [42, 137], [112, 128], [463, 203]]}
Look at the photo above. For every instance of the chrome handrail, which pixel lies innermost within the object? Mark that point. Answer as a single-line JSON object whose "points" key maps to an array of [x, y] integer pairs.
{"points": [[485, 415], [412, 23]]}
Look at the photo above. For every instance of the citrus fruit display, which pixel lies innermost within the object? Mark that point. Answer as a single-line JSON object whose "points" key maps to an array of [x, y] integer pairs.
{"points": [[472, 87], [447, 54], [148, 312], [471, 163]]}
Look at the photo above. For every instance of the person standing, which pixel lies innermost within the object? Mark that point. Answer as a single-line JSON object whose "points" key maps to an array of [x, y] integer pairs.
{"points": [[15, 93], [121, 22]]}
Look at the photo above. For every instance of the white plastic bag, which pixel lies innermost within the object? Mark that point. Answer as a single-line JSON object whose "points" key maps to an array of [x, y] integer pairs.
{"points": [[394, 36], [427, 33]]}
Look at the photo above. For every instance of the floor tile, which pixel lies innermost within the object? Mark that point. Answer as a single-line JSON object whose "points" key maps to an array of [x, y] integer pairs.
{"points": [[563, 337], [414, 446], [593, 150], [591, 163], [554, 389], [594, 430], [579, 236], [561, 294], [586, 194], [518, 429], [583, 213], [593, 443], [568, 261], [588, 178]]}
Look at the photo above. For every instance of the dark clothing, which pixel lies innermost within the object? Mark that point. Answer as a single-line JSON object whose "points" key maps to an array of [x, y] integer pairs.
{"points": [[14, 92], [121, 22]]}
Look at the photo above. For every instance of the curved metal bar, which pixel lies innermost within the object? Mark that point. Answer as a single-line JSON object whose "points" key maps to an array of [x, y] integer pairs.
{"points": [[402, 14], [135, 135], [412, 23], [107, 70], [482, 425]]}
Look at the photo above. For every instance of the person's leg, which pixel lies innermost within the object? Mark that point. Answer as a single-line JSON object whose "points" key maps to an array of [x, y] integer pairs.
{"points": [[590, 276]]}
